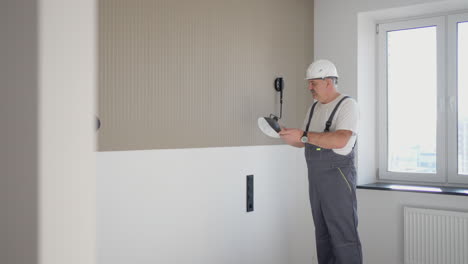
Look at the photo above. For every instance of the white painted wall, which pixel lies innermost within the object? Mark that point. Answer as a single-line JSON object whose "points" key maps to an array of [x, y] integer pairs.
{"points": [[66, 139], [381, 220], [188, 206], [344, 33], [47, 169]]}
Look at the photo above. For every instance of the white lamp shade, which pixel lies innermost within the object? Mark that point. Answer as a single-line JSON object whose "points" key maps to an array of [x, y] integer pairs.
{"points": [[266, 128]]}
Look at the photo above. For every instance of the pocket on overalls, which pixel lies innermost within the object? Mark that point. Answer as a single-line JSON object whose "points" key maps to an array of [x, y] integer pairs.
{"points": [[312, 152], [342, 175]]}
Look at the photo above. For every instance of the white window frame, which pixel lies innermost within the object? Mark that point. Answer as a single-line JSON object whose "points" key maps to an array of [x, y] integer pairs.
{"points": [[452, 126], [384, 173]]}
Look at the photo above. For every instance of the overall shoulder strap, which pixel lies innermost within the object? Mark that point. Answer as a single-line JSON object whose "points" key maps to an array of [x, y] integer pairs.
{"points": [[329, 122], [310, 117]]}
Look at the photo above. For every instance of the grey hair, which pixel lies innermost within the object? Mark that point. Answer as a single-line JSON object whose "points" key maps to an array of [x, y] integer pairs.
{"points": [[335, 81]]}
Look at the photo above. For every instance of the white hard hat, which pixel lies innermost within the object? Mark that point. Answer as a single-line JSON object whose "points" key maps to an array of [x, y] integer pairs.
{"points": [[321, 69]]}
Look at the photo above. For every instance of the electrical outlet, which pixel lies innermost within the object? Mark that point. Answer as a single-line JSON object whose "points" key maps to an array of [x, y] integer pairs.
{"points": [[250, 193]]}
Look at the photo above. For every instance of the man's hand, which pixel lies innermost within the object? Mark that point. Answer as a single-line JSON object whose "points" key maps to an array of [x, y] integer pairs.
{"points": [[292, 136]]}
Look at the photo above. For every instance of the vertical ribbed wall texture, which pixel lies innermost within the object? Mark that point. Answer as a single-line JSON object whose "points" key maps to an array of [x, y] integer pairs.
{"points": [[435, 236], [185, 74]]}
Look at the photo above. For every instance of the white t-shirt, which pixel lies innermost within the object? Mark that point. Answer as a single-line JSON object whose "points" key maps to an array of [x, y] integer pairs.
{"points": [[346, 118]]}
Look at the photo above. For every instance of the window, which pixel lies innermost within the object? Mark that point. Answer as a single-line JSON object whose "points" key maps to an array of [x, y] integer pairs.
{"points": [[423, 84]]}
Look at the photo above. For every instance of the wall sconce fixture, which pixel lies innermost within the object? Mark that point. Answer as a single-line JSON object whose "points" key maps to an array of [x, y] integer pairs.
{"points": [[269, 125]]}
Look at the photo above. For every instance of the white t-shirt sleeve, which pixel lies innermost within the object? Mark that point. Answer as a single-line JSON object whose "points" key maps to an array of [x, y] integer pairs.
{"points": [[348, 116]]}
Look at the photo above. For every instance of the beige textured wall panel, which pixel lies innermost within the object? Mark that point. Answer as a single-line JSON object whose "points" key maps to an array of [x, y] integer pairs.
{"points": [[189, 74]]}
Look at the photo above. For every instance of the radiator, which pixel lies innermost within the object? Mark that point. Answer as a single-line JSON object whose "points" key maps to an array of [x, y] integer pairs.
{"points": [[435, 236]]}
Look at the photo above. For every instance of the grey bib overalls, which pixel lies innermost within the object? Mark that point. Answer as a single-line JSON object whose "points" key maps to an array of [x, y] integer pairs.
{"points": [[332, 193]]}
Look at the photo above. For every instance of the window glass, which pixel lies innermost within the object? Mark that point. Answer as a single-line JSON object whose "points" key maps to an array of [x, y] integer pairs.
{"points": [[412, 100], [462, 61]]}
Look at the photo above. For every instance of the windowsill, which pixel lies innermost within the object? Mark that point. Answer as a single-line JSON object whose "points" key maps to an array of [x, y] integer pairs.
{"points": [[414, 188]]}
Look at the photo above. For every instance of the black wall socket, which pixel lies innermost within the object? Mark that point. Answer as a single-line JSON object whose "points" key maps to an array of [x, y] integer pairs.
{"points": [[250, 193]]}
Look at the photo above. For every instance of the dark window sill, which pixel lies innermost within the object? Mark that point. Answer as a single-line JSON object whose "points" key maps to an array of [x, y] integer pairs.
{"points": [[415, 188]]}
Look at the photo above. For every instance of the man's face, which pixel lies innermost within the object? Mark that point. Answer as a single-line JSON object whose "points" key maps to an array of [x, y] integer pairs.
{"points": [[318, 88]]}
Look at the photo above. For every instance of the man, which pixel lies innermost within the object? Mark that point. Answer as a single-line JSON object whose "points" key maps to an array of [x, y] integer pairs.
{"points": [[329, 138]]}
